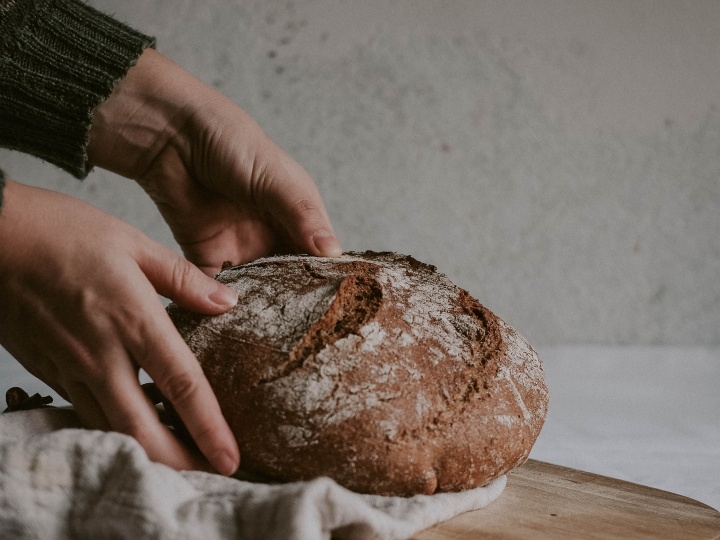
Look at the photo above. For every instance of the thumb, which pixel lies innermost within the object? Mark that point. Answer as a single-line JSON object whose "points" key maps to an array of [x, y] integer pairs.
{"points": [[290, 195], [185, 284]]}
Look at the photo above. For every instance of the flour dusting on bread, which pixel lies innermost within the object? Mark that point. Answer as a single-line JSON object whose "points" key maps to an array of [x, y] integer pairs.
{"points": [[371, 368]]}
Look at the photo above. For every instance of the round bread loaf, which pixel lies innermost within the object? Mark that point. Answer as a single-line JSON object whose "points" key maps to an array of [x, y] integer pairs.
{"points": [[371, 368]]}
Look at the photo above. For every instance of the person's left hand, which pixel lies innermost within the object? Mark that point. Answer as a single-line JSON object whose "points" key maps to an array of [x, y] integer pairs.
{"points": [[80, 311], [226, 190]]}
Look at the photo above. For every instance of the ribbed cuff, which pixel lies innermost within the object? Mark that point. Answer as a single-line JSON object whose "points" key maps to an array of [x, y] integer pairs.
{"points": [[59, 59]]}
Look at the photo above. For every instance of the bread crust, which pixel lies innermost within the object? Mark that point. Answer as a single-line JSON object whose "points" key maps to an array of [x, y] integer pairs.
{"points": [[373, 369]]}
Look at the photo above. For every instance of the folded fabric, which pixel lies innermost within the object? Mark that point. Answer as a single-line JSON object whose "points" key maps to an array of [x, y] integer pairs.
{"points": [[59, 481]]}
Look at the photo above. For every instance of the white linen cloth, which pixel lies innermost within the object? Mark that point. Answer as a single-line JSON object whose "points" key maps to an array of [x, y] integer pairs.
{"points": [[58, 481]]}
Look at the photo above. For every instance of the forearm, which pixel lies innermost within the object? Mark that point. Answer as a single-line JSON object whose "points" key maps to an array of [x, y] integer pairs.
{"points": [[59, 59]]}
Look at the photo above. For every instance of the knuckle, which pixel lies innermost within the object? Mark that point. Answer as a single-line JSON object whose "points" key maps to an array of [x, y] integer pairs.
{"points": [[82, 363], [182, 275], [204, 434], [304, 207], [259, 172], [179, 387]]}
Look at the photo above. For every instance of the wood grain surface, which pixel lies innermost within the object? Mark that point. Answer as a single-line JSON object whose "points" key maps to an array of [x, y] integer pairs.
{"points": [[543, 501]]}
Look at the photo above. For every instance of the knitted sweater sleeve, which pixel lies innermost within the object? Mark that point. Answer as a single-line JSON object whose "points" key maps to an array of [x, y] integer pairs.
{"points": [[59, 59]]}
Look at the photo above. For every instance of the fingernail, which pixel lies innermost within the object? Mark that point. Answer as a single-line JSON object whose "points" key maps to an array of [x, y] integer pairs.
{"points": [[225, 464], [326, 243], [224, 297]]}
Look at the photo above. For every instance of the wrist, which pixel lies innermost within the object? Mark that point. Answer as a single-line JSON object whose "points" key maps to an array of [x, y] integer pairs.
{"points": [[65, 57], [142, 116]]}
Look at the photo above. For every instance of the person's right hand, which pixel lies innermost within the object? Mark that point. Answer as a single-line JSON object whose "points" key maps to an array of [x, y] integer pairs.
{"points": [[227, 191], [79, 310]]}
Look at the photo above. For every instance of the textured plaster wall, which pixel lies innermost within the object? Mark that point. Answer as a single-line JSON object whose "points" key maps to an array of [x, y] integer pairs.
{"points": [[560, 160]]}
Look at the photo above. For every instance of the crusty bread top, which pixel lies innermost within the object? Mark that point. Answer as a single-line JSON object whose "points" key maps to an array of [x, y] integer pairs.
{"points": [[372, 368]]}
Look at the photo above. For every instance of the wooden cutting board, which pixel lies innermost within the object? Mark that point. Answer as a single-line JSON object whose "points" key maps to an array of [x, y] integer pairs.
{"points": [[543, 501]]}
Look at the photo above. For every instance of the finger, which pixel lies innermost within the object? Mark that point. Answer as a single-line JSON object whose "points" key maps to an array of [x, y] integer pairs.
{"points": [[184, 283], [163, 354], [128, 411], [87, 407]]}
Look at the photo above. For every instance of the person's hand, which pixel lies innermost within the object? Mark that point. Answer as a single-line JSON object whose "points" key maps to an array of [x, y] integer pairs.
{"points": [[226, 190], [80, 311]]}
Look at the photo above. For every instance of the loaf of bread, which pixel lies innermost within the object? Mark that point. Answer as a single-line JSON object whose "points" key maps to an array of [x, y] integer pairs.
{"points": [[371, 368]]}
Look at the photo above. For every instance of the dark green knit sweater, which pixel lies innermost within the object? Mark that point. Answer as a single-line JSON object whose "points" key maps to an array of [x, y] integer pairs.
{"points": [[59, 59]]}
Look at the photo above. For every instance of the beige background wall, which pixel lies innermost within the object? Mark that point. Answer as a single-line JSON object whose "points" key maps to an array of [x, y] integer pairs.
{"points": [[559, 159]]}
